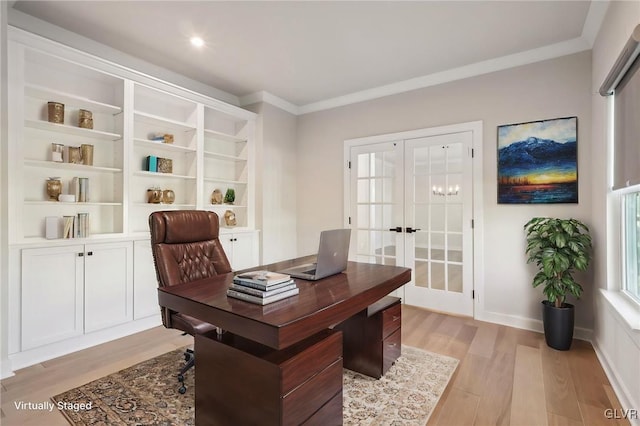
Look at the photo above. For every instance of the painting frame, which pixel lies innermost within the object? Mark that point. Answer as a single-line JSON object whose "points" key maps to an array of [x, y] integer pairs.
{"points": [[538, 162]]}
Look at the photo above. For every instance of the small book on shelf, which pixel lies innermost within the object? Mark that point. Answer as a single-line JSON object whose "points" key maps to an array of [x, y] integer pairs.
{"points": [[266, 278], [262, 300]]}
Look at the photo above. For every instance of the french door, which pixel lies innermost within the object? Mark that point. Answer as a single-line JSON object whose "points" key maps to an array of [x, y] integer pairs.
{"points": [[411, 204]]}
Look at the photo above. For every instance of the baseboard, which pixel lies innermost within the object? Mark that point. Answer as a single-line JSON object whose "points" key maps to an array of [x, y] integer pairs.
{"points": [[531, 324], [618, 386], [6, 369], [44, 353]]}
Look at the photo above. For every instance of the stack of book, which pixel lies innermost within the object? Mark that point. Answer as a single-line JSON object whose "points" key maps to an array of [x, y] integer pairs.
{"points": [[262, 287]]}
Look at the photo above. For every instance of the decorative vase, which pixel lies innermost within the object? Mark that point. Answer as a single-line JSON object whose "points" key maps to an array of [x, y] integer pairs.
{"points": [[86, 152], [230, 196], [85, 119], [54, 188], [558, 325], [168, 196], [216, 197], [55, 112], [154, 196]]}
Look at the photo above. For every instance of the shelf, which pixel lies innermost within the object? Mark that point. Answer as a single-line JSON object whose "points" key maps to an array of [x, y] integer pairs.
{"points": [[223, 136], [70, 130], [156, 120], [164, 205], [227, 206], [162, 175], [48, 94], [62, 203], [210, 154], [218, 180], [90, 238], [70, 166], [163, 146]]}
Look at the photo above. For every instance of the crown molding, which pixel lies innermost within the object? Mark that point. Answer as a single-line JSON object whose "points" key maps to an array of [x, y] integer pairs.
{"points": [[568, 47], [263, 96], [593, 22], [590, 29]]}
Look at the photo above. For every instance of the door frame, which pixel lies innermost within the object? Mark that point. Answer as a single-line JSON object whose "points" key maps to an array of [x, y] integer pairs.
{"points": [[476, 129]]}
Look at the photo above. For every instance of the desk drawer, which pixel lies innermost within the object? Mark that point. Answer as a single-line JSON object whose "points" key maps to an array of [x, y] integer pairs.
{"points": [[391, 319], [391, 349], [303, 402], [310, 361]]}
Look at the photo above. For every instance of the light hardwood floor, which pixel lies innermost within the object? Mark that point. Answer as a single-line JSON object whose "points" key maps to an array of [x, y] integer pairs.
{"points": [[506, 376]]}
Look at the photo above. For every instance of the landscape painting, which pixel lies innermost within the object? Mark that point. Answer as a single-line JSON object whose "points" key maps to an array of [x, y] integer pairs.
{"points": [[537, 162]]}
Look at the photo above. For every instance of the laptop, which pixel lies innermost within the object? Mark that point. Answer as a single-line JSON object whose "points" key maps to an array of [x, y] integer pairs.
{"points": [[333, 255]]}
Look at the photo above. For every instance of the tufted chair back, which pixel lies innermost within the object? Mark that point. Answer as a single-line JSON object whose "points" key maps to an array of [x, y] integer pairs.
{"points": [[185, 248]]}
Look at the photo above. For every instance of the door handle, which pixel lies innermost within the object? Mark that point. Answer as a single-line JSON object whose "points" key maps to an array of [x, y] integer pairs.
{"points": [[410, 230], [396, 229]]}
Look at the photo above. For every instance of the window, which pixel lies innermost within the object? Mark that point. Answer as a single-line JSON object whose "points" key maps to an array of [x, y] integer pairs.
{"points": [[623, 83], [632, 244]]}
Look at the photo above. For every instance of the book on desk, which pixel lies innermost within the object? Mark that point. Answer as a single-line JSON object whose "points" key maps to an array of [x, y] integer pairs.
{"points": [[262, 287]]}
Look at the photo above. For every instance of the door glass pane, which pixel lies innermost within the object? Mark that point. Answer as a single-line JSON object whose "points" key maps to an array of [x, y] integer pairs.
{"points": [[437, 218], [363, 216], [437, 246], [454, 217], [454, 273], [437, 155], [388, 166], [454, 157], [363, 165], [377, 186], [454, 245], [378, 164], [390, 244], [421, 245], [421, 160], [421, 216], [421, 274], [363, 242], [363, 191], [438, 189], [421, 189], [437, 276]]}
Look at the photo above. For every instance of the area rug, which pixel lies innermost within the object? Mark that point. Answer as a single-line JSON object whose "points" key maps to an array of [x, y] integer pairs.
{"points": [[147, 393]]}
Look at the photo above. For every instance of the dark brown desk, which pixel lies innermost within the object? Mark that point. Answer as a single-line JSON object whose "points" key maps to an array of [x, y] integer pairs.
{"points": [[279, 363]]}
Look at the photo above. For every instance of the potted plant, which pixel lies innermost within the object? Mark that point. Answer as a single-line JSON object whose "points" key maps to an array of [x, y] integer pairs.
{"points": [[559, 247]]}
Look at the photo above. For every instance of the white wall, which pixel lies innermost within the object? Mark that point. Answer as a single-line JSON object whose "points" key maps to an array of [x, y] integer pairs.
{"points": [[554, 88], [5, 369], [617, 345], [276, 173]]}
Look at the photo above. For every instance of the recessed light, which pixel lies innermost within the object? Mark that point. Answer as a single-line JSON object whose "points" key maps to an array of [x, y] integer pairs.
{"points": [[197, 41]]}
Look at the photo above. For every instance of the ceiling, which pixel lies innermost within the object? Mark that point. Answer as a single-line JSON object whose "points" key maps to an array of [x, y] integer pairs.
{"points": [[309, 53]]}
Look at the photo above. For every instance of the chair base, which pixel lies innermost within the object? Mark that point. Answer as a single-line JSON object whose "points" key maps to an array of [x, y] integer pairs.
{"points": [[190, 358]]}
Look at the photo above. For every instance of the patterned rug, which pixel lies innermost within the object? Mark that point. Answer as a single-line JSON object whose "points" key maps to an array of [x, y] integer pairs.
{"points": [[147, 393]]}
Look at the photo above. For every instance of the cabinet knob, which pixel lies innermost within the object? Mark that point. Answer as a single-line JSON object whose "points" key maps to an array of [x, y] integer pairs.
{"points": [[90, 253], [80, 254]]}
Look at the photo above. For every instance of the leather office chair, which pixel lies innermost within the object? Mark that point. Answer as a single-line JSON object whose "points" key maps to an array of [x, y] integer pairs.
{"points": [[186, 248]]}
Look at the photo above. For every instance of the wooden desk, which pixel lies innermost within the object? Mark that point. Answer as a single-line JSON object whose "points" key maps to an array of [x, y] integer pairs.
{"points": [[260, 371]]}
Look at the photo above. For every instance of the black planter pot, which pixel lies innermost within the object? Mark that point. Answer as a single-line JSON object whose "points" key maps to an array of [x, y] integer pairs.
{"points": [[558, 325]]}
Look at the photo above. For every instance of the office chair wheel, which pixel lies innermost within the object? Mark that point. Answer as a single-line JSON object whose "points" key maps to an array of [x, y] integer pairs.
{"points": [[182, 389]]}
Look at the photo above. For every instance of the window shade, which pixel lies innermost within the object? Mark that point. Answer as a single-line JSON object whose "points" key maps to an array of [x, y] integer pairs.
{"points": [[626, 130], [624, 82]]}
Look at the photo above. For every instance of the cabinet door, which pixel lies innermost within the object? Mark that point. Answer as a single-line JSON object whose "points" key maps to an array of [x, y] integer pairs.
{"points": [[52, 293], [145, 281], [108, 285], [241, 249]]}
